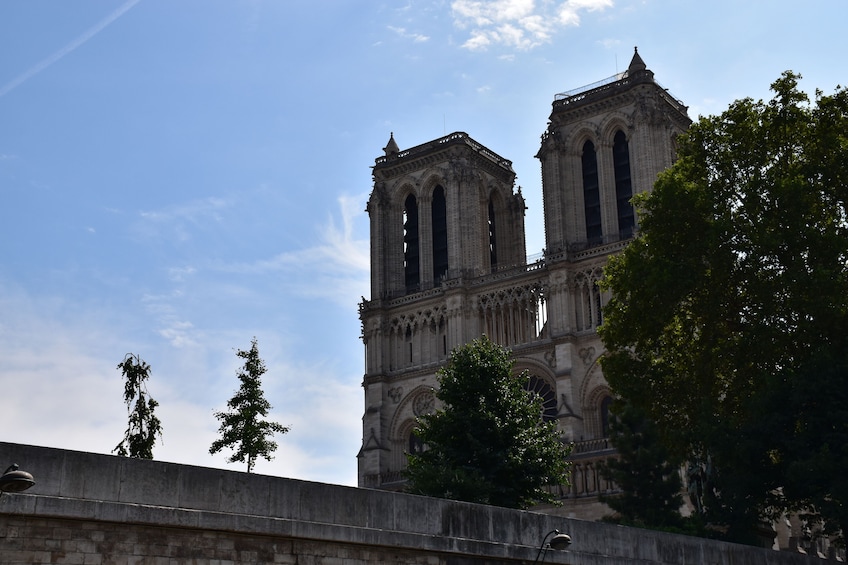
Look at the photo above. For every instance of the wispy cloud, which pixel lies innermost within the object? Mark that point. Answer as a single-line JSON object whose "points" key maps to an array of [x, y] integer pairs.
{"points": [[88, 34], [518, 24], [416, 37], [336, 267], [180, 217], [610, 43], [180, 274]]}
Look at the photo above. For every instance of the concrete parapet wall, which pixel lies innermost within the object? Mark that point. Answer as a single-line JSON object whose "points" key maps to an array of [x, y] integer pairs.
{"points": [[99, 509]]}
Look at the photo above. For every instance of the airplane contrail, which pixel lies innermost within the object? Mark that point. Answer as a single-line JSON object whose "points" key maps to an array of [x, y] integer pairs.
{"points": [[88, 34]]}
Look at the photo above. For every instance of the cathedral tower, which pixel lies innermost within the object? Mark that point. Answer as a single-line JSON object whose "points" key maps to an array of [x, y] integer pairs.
{"points": [[604, 143], [444, 217], [448, 265]]}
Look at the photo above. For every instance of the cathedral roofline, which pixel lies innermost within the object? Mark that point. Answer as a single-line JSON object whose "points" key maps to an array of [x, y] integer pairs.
{"points": [[457, 138], [637, 73]]}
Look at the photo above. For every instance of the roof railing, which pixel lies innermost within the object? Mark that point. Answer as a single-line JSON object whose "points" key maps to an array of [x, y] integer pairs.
{"points": [[458, 137]]}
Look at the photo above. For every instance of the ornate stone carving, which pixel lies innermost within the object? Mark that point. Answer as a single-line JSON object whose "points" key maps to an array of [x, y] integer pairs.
{"points": [[424, 403], [587, 354], [550, 357], [396, 393]]}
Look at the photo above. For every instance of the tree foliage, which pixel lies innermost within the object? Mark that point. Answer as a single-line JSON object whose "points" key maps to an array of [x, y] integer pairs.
{"points": [[645, 471], [244, 428], [733, 299], [488, 444], [143, 426]]}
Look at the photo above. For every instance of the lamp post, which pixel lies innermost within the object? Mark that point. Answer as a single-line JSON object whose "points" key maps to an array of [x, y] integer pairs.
{"points": [[14, 480], [559, 541]]}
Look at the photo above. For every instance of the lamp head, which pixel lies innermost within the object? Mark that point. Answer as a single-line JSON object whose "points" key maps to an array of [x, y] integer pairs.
{"points": [[560, 541], [14, 480]]}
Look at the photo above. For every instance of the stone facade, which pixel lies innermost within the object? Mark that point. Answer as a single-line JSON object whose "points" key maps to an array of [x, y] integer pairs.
{"points": [[448, 265], [90, 509]]}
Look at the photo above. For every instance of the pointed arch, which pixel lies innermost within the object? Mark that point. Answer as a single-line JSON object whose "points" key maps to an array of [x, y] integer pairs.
{"points": [[593, 393], [611, 124], [575, 139], [411, 244], [588, 300], [623, 184], [494, 219], [591, 193], [605, 405], [438, 210], [419, 401]]}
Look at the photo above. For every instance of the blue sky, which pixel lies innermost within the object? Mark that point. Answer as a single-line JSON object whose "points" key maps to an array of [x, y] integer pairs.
{"points": [[177, 177]]}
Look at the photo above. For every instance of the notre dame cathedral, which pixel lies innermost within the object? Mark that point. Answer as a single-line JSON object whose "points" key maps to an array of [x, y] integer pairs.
{"points": [[448, 264]]}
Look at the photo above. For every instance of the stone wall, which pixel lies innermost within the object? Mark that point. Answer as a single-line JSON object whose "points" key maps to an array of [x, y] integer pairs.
{"points": [[91, 509]]}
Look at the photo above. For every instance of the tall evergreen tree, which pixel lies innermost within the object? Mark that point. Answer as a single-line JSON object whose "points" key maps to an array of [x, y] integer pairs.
{"points": [[143, 427], [489, 443], [645, 471], [244, 428]]}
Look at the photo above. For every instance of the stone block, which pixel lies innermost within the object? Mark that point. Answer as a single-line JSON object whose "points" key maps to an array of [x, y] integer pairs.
{"points": [[111, 512], [93, 476], [200, 488], [418, 514], [377, 508], [317, 502], [284, 498], [462, 520], [351, 506], [245, 493], [148, 482]]}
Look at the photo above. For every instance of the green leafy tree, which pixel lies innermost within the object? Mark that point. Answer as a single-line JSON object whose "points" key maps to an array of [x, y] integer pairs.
{"points": [[488, 444], [645, 471], [807, 415], [735, 286], [244, 428], [143, 427]]}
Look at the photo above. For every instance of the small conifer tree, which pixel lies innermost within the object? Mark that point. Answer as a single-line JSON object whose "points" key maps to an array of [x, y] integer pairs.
{"points": [[244, 428], [143, 427]]}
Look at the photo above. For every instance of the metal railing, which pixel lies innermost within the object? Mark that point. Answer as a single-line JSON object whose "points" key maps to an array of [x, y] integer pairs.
{"points": [[456, 138]]}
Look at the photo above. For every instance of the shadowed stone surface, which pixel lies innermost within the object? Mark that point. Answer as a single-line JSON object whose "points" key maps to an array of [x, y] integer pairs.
{"points": [[101, 509]]}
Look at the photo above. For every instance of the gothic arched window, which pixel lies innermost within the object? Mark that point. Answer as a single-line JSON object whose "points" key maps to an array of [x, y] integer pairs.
{"points": [[623, 189], [415, 444], [605, 415], [411, 268], [440, 236], [591, 194], [493, 244], [598, 308]]}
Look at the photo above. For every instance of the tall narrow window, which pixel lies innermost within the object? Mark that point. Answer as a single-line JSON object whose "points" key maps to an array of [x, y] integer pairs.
{"points": [[415, 444], [440, 236], [605, 416], [411, 268], [623, 189], [493, 244], [599, 310], [591, 194]]}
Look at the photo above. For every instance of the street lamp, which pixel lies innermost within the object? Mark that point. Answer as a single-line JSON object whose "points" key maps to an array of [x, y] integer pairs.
{"points": [[559, 541], [14, 480]]}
